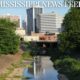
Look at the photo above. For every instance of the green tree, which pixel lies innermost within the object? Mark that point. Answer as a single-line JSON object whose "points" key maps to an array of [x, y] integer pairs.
{"points": [[68, 66], [9, 41], [69, 42], [70, 37]]}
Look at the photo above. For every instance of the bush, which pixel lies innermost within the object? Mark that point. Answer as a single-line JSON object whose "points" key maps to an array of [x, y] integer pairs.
{"points": [[68, 66], [26, 55], [9, 41]]}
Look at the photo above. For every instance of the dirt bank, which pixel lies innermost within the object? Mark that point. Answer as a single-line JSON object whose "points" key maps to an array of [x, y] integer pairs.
{"points": [[7, 60]]}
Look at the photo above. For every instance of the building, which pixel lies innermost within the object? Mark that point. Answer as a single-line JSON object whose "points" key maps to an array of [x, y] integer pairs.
{"points": [[20, 32], [31, 18], [24, 26], [49, 23], [31, 38], [12, 18]]}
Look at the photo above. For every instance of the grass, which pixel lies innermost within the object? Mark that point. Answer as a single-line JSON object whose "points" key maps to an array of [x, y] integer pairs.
{"points": [[7, 72], [26, 55]]}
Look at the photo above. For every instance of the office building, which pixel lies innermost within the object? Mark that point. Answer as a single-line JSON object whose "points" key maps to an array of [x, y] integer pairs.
{"points": [[49, 23], [31, 18]]}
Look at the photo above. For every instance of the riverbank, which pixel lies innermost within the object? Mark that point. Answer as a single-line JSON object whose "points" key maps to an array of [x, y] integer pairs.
{"points": [[12, 66], [62, 77], [7, 60], [16, 74], [68, 66]]}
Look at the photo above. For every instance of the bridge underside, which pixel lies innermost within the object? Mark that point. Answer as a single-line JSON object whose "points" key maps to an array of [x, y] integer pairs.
{"points": [[44, 48]]}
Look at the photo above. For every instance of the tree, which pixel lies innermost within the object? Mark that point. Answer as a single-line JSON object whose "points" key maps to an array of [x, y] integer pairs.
{"points": [[69, 43], [70, 37], [9, 41], [69, 67], [6, 23]]}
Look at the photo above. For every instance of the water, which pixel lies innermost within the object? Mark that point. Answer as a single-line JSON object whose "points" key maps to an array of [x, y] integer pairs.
{"points": [[26, 73], [49, 74], [42, 70]]}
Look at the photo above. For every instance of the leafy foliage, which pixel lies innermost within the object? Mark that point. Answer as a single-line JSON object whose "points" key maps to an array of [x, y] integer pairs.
{"points": [[70, 37], [9, 41], [69, 44], [69, 66]]}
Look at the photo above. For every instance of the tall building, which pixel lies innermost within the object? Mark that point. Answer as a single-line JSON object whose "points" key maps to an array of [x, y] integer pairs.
{"points": [[31, 18], [24, 25], [49, 22]]}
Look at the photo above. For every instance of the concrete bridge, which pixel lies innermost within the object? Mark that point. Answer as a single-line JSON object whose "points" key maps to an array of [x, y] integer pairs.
{"points": [[41, 38], [41, 43]]}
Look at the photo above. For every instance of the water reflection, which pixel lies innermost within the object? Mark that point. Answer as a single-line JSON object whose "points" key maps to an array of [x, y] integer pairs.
{"points": [[42, 69]]}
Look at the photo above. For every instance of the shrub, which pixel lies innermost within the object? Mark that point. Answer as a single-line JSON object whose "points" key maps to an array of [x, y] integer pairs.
{"points": [[68, 66]]}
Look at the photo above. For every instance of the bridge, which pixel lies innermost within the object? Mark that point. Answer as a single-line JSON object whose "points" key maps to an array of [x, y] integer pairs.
{"points": [[41, 38], [44, 44], [40, 44]]}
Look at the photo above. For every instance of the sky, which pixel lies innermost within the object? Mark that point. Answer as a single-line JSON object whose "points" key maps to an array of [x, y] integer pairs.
{"points": [[22, 11]]}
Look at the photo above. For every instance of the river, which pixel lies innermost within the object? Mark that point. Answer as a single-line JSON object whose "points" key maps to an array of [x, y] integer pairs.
{"points": [[42, 69]]}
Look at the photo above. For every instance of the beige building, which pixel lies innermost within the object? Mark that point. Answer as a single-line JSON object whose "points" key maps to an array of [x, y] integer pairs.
{"points": [[12, 18], [49, 22], [21, 32], [31, 38]]}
